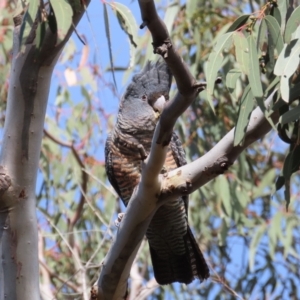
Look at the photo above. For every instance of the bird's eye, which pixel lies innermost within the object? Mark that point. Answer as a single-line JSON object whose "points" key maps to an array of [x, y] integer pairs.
{"points": [[144, 97]]}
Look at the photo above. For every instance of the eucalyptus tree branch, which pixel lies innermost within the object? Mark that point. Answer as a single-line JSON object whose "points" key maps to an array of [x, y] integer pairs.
{"points": [[192, 176], [30, 80], [155, 189]]}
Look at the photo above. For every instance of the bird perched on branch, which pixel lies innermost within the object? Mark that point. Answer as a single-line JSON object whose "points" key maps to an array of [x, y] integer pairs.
{"points": [[175, 254]]}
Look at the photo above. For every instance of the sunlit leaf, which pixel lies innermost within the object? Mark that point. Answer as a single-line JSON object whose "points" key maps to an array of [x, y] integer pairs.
{"points": [[292, 24]]}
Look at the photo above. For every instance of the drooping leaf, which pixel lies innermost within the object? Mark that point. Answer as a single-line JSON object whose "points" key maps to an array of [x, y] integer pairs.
{"points": [[40, 34], [288, 60], [292, 24], [262, 35], [296, 34], [274, 232], [225, 194], [291, 223], [274, 31], [276, 14], [245, 109], [241, 51], [213, 65], [254, 72], [231, 78], [129, 25], [255, 243], [63, 15], [266, 182], [282, 6], [28, 20], [107, 32]]}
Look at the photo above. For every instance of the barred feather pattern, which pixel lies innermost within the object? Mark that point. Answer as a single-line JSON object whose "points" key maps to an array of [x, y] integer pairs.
{"points": [[176, 257], [175, 254]]}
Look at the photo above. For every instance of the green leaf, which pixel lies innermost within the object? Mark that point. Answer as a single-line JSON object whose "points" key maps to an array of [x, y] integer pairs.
{"points": [[266, 182], [238, 23], [129, 25], [288, 59], [231, 79], [127, 21], [241, 51], [296, 33], [254, 72], [63, 14], [107, 32], [286, 66], [28, 20], [245, 109], [274, 232], [282, 6], [262, 35], [225, 194], [276, 14], [292, 223], [274, 31], [285, 88], [292, 25], [222, 235], [40, 34], [254, 244], [213, 65], [290, 116]]}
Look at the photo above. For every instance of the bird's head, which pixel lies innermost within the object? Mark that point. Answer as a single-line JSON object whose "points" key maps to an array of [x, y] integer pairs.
{"points": [[145, 97]]}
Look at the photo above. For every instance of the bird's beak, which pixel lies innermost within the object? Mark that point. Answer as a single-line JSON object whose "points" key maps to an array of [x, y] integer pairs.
{"points": [[159, 104]]}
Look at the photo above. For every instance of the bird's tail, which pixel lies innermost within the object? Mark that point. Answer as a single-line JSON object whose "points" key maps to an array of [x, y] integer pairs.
{"points": [[180, 268]]}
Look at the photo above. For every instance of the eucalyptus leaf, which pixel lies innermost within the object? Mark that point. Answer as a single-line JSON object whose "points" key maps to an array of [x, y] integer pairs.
{"points": [[63, 15], [215, 60], [291, 25], [241, 51], [274, 31], [254, 72], [245, 109]]}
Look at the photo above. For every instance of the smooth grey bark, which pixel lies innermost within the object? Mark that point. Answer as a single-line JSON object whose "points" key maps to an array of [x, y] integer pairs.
{"points": [[29, 85], [112, 283]]}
